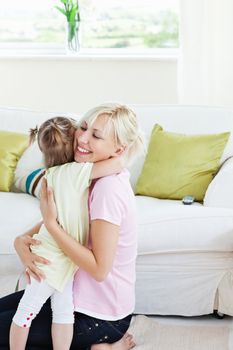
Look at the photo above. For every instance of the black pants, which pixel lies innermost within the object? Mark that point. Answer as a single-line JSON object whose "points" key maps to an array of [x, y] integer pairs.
{"points": [[87, 330]]}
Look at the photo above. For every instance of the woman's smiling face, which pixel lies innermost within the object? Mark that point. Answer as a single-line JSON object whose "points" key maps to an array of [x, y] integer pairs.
{"points": [[93, 143]]}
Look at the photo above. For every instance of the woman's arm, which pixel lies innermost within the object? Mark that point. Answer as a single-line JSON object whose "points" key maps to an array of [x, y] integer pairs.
{"points": [[22, 245], [107, 167], [98, 261]]}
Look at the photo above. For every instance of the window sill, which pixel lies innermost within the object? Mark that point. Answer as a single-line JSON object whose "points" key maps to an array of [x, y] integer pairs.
{"points": [[91, 55]]}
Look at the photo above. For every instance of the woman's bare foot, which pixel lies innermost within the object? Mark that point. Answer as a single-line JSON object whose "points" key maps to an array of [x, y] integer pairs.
{"points": [[125, 343]]}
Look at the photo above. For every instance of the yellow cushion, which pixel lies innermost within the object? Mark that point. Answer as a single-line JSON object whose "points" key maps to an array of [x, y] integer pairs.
{"points": [[177, 165], [12, 145]]}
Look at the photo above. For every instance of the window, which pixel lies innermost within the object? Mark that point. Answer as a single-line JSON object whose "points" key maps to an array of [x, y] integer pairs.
{"points": [[131, 24], [30, 24], [105, 24]]}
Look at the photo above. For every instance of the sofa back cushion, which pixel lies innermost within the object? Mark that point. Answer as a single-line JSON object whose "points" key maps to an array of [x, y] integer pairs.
{"points": [[220, 192], [21, 120]]}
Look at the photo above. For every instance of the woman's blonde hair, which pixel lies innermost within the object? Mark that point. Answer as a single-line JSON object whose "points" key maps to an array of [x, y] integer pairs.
{"points": [[55, 139], [123, 121]]}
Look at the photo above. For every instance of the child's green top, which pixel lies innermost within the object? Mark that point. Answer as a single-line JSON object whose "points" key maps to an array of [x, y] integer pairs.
{"points": [[70, 183]]}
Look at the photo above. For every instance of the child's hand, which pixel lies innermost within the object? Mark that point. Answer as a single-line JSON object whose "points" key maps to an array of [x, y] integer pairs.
{"points": [[22, 246], [47, 205]]}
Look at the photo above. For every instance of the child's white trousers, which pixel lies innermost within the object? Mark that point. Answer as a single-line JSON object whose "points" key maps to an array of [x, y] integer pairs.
{"points": [[36, 294]]}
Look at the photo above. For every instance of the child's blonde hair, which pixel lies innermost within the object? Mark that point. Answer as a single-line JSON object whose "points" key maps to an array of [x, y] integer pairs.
{"points": [[55, 139], [123, 122]]}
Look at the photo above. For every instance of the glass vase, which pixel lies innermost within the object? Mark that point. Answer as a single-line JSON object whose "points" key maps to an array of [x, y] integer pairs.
{"points": [[72, 42]]}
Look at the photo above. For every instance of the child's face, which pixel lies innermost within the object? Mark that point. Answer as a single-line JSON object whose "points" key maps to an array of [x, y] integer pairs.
{"points": [[92, 144]]}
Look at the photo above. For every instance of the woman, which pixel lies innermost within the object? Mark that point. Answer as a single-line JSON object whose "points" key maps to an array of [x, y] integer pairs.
{"points": [[104, 284]]}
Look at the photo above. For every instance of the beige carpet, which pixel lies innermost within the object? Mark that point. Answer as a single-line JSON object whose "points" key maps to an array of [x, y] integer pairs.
{"points": [[149, 334]]}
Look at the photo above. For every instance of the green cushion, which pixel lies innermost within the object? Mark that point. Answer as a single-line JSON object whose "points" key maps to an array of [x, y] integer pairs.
{"points": [[177, 165], [12, 145]]}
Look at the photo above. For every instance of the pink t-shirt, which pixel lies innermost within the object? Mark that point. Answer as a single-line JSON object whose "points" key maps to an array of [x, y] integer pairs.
{"points": [[112, 200]]}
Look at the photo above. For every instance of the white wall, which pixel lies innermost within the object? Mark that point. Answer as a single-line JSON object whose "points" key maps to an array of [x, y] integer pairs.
{"points": [[76, 84]]}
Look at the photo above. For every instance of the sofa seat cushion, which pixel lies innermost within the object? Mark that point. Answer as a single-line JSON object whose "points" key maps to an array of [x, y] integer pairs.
{"points": [[169, 226], [19, 212]]}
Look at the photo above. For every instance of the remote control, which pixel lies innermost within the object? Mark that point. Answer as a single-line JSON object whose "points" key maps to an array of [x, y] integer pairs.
{"points": [[187, 200]]}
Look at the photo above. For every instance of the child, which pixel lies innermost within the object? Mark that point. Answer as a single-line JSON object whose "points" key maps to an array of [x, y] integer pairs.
{"points": [[55, 139]]}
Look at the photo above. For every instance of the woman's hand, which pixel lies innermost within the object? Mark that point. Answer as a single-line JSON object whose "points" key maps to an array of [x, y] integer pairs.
{"points": [[47, 206], [22, 246]]}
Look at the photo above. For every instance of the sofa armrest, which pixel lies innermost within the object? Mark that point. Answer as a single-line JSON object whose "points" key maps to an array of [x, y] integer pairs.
{"points": [[220, 191]]}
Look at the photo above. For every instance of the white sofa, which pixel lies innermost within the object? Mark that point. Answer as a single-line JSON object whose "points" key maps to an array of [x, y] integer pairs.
{"points": [[185, 258]]}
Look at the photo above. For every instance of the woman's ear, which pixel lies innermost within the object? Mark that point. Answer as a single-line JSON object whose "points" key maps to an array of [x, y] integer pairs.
{"points": [[119, 150]]}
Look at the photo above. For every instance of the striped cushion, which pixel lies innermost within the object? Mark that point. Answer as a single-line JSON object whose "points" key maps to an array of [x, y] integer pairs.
{"points": [[29, 171], [31, 183]]}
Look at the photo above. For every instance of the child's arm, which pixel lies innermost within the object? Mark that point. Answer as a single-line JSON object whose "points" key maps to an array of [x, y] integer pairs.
{"points": [[107, 167]]}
